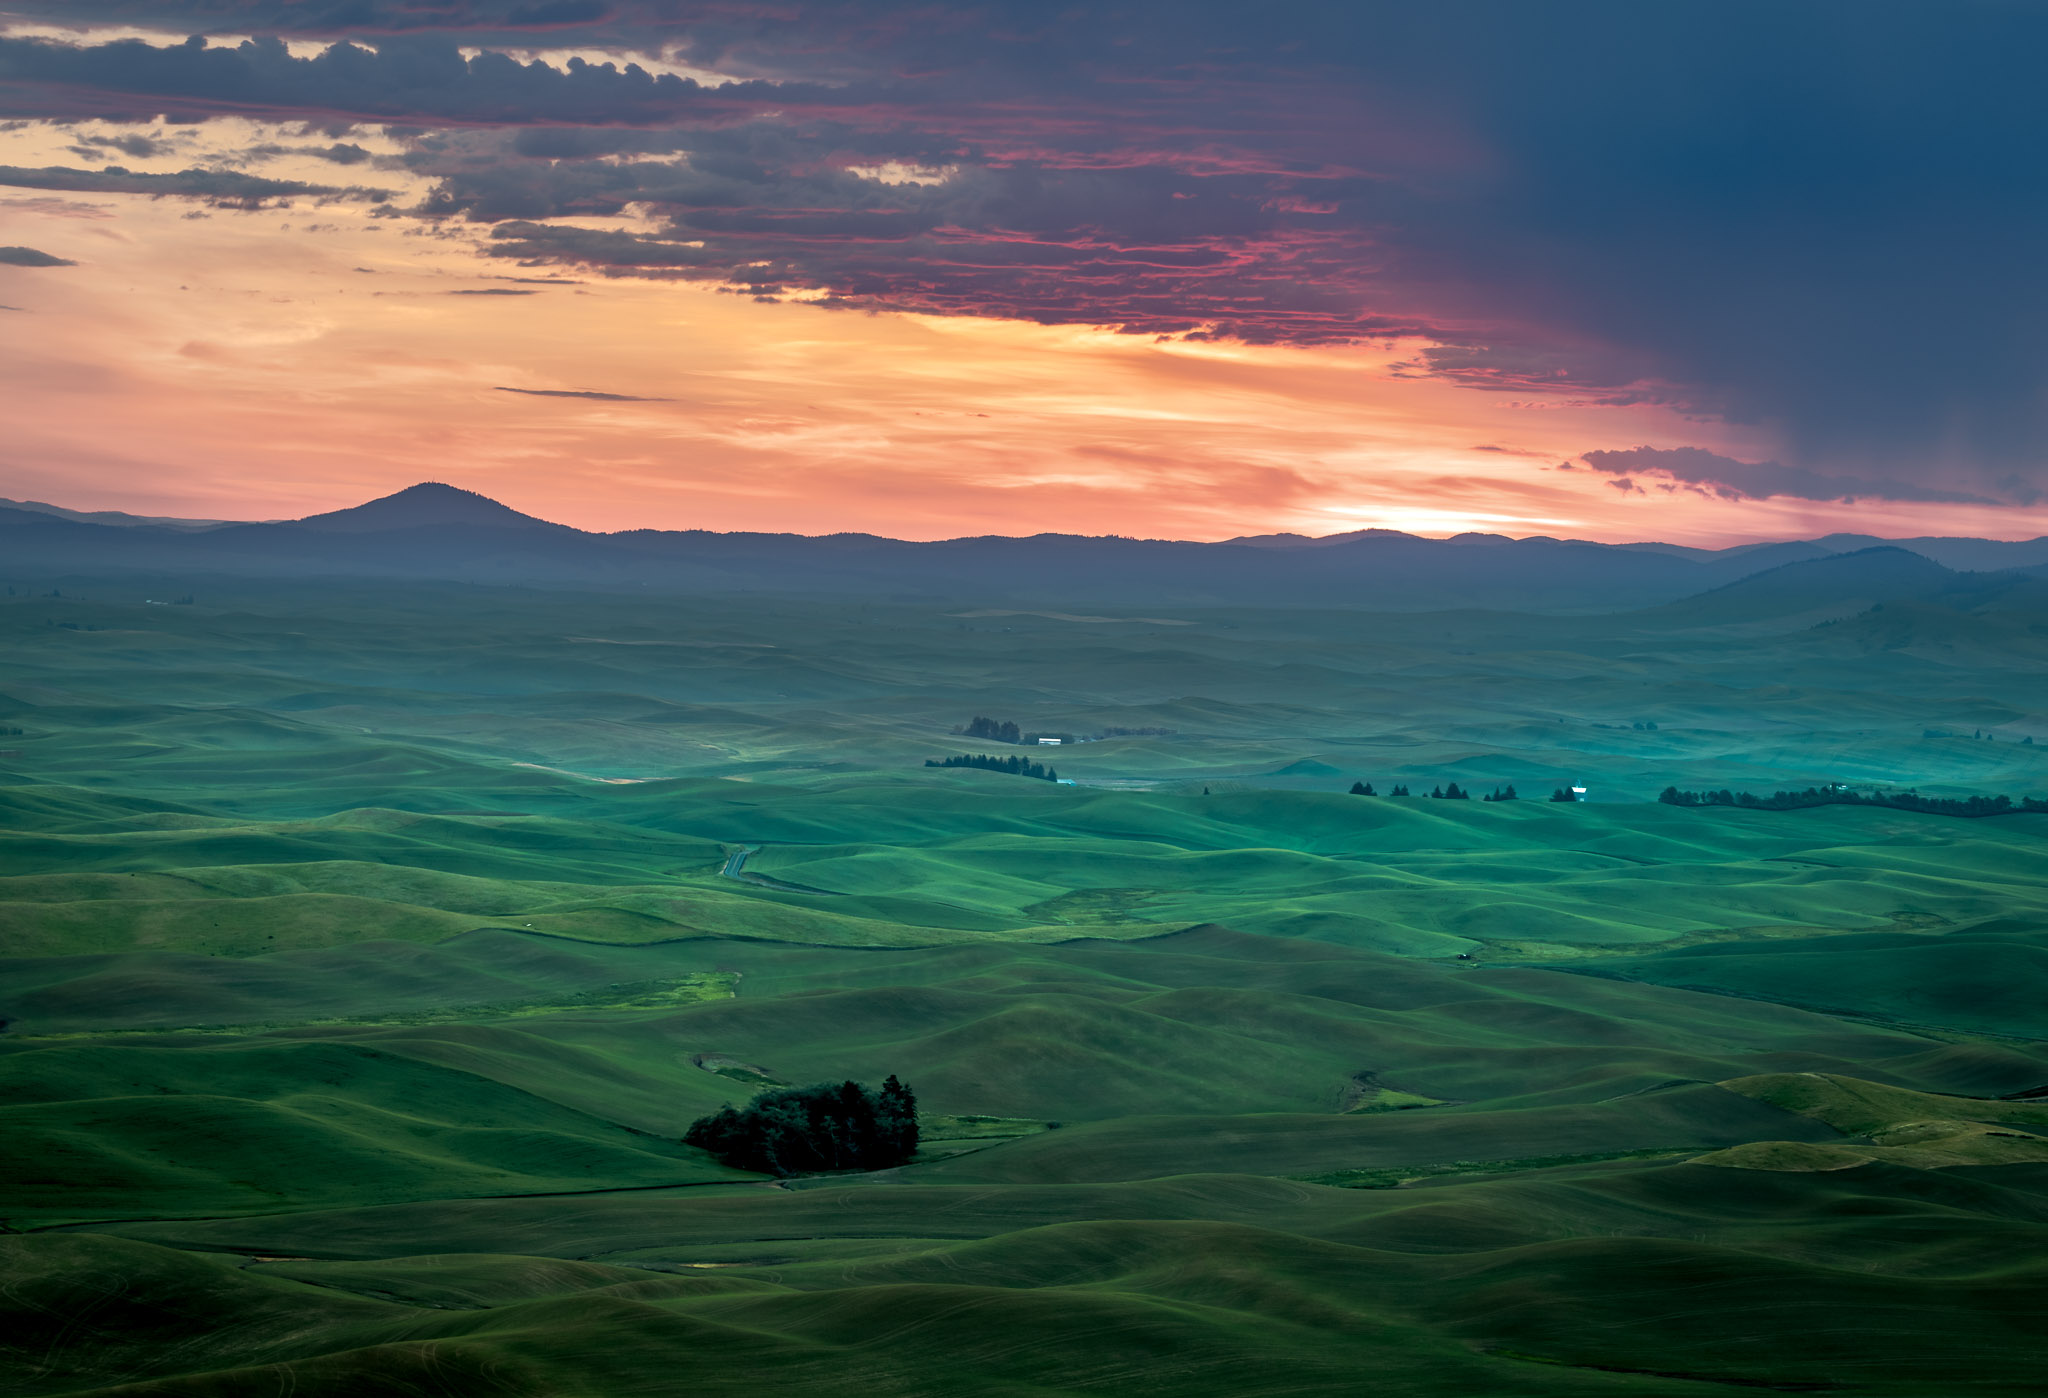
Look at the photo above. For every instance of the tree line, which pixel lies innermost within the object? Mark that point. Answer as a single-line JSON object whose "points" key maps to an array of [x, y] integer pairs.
{"points": [[1014, 765], [1842, 796], [991, 730], [803, 1130], [1449, 792]]}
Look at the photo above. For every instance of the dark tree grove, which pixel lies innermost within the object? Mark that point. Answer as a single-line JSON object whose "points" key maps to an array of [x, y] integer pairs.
{"points": [[1015, 766], [1842, 796], [804, 1130], [1362, 789], [992, 731], [1502, 793]]}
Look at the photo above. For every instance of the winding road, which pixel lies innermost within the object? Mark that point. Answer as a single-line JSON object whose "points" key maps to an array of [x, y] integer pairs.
{"points": [[735, 868]]}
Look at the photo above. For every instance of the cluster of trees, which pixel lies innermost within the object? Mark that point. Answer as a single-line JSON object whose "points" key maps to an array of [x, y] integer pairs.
{"points": [[802, 1130], [1451, 792], [1014, 765], [1003, 731], [990, 730], [1842, 796], [1562, 794], [1979, 735]]}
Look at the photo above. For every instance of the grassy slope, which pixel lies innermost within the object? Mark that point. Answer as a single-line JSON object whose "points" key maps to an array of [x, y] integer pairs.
{"points": [[305, 967]]}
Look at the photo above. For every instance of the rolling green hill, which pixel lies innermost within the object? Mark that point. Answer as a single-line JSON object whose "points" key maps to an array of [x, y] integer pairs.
{"points": [[365, 951]]}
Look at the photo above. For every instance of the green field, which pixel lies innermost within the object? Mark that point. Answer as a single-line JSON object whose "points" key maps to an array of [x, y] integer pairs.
{"points": [[366, 950]]}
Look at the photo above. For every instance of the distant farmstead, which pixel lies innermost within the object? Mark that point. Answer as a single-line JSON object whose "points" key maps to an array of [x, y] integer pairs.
{"points": [[1048, 742]]}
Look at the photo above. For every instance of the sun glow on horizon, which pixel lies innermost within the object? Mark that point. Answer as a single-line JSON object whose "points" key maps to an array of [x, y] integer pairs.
{"points": [[311, 353]]}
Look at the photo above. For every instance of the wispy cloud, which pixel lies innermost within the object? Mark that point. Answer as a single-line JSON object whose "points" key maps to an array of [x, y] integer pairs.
{"points": [[582, 393], [33, 257], [1730, 479], [229, 187]]}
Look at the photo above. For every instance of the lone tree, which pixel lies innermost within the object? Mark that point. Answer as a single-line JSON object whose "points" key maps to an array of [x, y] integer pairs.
{"points": [[801, 1130]]}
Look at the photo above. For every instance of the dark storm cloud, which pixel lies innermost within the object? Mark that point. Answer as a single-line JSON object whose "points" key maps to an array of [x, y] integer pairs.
{"points": [[1759, 480], [339, 153], [139, 146], [414, 78], [326, 17], [215, 186], [32, 257], [1822, 218]]}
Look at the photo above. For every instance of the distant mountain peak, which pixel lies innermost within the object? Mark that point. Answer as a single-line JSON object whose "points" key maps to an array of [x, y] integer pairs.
{"points": [[1314, 541], [430, 503], [1883, 573], [114, 517]]}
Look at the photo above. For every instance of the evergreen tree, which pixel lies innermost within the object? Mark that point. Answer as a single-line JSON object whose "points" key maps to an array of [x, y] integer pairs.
{"points": [[1399, 791], [1967, 806], [989, 730], [896, 1119], [1560, 795], [1361, 789], [1014, 765]]}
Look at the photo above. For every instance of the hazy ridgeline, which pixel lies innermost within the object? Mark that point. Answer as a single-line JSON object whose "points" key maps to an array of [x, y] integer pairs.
{"points": [[370, 945]]}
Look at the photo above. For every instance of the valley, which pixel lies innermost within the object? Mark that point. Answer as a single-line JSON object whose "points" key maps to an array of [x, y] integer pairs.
{"points": [[370, 946]]}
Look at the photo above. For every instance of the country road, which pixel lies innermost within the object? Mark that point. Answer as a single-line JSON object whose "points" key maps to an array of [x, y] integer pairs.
{"points": [[735, 868]]}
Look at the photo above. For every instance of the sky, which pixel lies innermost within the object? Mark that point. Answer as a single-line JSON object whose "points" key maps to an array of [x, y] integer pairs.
{"points": [[1707, 273]]}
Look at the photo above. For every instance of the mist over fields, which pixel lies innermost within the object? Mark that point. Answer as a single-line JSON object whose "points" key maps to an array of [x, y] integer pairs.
{"points": [[383, 895]]}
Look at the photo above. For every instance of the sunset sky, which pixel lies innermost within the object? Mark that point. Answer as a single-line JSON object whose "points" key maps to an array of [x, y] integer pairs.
{"points": [[1699, 272]]}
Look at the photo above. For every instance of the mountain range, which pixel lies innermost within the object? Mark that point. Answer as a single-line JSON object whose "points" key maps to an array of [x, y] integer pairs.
{"points": [[434, 531]]}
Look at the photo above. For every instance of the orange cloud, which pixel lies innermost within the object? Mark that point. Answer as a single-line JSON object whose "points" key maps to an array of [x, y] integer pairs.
{"points": [[291, 359]]}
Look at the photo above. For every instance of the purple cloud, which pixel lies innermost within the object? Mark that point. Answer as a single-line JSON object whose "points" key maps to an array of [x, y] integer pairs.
{"points": [[1729, 479]]}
